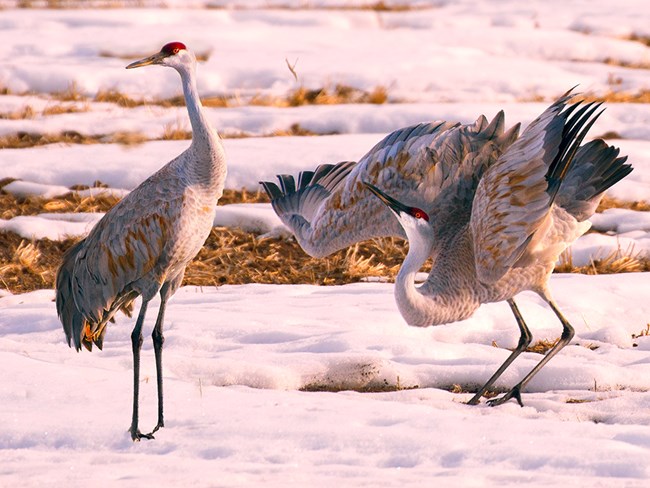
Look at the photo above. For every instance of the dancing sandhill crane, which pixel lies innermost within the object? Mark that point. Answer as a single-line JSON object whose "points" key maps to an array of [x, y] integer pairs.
{"points": [[143, 244], [492, 210]]}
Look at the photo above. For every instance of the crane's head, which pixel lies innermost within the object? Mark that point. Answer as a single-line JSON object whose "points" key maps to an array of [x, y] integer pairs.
{"points": [[414, 220], [173, 54]]}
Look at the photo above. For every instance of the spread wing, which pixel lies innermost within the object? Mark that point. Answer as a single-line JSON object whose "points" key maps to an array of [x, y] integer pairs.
{"points": [[415, 164], [515, 195]]}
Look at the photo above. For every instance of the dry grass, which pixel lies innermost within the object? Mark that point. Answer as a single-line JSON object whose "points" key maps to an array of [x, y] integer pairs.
{"points": [[339, 94], [27, 266], [626, 64], [28, 112], [644, 333], [118, 98], [638, 38], [232, 256], [83, 4], [23, 113], [12, 206], [617, 261], [378, 6], [541, 347], [615, 96], [373, 385], [22, 140], [610, 202], [112, 95], [297, 130], [174, 131], [72, 100], [63, 108], [70, 94]]}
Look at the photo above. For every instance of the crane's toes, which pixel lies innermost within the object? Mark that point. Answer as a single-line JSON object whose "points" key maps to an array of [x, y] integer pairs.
{"points": [[136, 435], [514, 393]]}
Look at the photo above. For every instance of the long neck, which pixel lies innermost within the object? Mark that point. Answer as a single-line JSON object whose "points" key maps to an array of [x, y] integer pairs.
{"points": [[446, 296], [411, 303], [206, 157]]}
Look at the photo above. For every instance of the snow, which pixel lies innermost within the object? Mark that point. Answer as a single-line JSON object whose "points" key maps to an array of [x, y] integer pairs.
{"points": [[236, 357], [26, 189], [234, 416]]}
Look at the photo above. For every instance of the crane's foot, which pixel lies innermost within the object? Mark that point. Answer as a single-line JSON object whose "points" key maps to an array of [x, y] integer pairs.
{"points": [[514, 393], [136, 435]]}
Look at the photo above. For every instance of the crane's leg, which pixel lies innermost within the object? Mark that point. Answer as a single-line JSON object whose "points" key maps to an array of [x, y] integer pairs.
{"points": [[524, 341], [158, 341], [567, 335], [136, 345]]}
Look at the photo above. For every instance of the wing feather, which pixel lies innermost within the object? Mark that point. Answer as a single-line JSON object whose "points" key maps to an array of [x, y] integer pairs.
{"points": [[514, 198], [122, 248], [416, 164]]}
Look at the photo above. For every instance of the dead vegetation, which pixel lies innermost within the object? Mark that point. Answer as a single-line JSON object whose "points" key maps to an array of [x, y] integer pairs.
{"points": [[28, 112], [25, 140], [617, 261], [232, 256], [612, 95], [326, 95], [377, 6], [644, 333], [12, 206], [645, 40], [615, 96], [171, 132], [610, 202], [338, 94]]}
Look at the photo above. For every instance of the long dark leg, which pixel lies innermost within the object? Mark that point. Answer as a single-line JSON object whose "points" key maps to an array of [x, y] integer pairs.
{"points": [[567, 335], [524, 341], [158, 341], [136, 345]]}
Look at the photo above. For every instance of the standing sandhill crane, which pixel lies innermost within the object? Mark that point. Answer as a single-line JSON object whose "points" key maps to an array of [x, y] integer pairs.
{"points": [[493, 211], [143, 244]]}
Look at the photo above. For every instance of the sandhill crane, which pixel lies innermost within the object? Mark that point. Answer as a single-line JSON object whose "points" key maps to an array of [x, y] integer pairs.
{"points": [[493, 211], [143, 244]]}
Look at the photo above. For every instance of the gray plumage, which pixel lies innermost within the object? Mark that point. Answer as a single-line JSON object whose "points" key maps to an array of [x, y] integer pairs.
{"points": [[143, 244], [492, 210]]}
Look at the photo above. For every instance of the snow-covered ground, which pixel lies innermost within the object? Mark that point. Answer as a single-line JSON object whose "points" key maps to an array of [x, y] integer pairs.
{"points": [[236, 357]]}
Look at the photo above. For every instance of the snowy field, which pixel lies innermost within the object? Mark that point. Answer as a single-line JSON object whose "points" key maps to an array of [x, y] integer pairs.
{"points": [[238, 358]]}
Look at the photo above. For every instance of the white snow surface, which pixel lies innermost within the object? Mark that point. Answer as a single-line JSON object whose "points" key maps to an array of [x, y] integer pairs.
{"points": [[237, 357]]}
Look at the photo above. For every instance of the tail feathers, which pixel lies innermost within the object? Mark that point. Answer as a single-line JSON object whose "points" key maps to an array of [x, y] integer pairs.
{"points": [[573, 133], [305, 198], [596, 168], [73, 321], [78, 330]]}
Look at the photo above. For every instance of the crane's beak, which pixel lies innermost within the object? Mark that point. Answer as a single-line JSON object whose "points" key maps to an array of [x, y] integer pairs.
{"points": [[390, 202], [155, 59]]}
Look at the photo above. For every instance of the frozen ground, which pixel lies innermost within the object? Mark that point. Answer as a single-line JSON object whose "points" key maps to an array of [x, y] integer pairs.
{"points": [[236, 357]]}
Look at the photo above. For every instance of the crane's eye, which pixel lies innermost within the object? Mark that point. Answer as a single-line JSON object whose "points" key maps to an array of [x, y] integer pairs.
{"points": [[419, 214], [175, 50]]}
